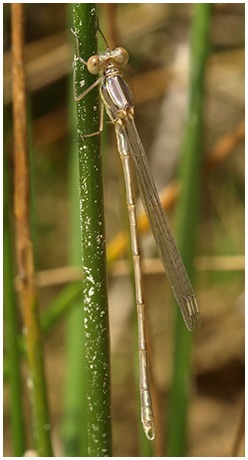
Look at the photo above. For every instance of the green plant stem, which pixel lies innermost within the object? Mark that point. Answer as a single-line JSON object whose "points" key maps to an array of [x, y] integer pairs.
{"points": [[190, 175], [75, 420], [11, 330], [95, 306], [24, 246]]}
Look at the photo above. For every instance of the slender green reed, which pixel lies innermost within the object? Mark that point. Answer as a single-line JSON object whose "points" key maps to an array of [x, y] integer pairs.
{"points": [[60, 306], [11, 328], [95, 323], [190, 175]]}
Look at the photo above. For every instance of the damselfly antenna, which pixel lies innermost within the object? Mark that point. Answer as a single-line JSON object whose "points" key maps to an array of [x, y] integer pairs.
{"points": [[103, 36]]}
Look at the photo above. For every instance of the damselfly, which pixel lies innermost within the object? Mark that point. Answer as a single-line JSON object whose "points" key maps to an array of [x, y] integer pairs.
{"points": [[118, 103]]}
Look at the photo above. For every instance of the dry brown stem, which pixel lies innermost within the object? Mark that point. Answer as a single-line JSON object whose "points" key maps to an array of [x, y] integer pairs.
{"points": [[24, 247]]}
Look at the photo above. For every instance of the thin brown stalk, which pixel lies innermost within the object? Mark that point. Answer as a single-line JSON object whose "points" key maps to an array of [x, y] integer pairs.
{"points": [[24, 247]]}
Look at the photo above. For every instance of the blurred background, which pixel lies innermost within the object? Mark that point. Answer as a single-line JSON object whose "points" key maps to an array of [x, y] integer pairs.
{"points": [[157, 39]]}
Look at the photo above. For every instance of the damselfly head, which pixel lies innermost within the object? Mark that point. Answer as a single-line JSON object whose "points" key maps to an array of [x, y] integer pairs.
{"points": [[97, 63]]}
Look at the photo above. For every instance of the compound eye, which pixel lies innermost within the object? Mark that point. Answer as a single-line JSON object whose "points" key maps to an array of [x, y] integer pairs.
{"points": [[93, 64], [121, 56]]}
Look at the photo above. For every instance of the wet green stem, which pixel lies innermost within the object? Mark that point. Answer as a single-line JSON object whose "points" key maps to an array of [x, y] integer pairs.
{"points": [[95, 322]]}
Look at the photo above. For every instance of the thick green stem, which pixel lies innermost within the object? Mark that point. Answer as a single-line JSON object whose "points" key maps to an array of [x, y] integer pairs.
{"points": [[95, 306], [190, 175]]}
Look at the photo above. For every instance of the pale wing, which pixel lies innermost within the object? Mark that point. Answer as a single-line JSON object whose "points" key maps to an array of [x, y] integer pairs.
{"points": [[158, 220]]}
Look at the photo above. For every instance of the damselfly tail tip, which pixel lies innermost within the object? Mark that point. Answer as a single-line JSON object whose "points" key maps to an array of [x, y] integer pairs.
{"points": [[192, 317], [149, 429]]}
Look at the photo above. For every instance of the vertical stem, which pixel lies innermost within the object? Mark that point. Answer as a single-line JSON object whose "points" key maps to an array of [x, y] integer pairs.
{"points": [[24, 247], [75, 420], [95, 311], [11, 329], [190, 174]]}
